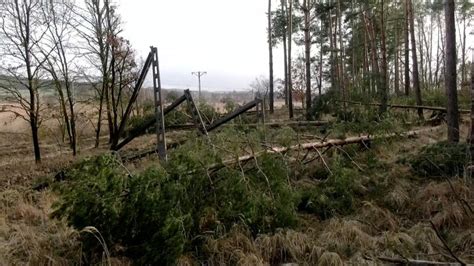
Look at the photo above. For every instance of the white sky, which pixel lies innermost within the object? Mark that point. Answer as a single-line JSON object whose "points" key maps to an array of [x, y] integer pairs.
{"points": [[226, 38]]}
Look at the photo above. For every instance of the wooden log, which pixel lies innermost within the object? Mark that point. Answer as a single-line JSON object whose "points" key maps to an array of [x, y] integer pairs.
{"points": [[402, 106]]}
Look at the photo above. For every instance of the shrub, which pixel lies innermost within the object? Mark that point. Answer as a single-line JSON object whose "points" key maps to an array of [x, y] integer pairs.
{"points": [[322, 104], [128, 211], [334, 196], [156, 216], [208, 112], [175, 117], [137, 122], [440, 159]]}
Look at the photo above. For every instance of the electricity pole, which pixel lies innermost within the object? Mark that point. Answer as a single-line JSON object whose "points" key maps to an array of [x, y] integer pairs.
{"points": [[199, 74]]}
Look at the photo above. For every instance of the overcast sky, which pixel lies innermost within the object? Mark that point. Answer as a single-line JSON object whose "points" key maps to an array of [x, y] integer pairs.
{"points": [[226, 38]]}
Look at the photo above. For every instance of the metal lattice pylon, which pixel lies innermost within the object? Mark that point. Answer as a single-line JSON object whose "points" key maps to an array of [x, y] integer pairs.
{"points": [[160, 119]]}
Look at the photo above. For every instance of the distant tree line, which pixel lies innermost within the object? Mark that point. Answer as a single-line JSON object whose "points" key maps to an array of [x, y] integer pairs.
{"points": [[374, 48]]}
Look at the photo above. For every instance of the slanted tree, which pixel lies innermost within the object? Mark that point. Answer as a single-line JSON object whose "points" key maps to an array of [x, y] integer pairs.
{"points": [[450, 73]]}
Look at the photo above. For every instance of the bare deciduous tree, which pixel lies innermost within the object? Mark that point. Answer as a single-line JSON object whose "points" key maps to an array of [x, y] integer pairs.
{"points": [[59, 63], [23, 30]]}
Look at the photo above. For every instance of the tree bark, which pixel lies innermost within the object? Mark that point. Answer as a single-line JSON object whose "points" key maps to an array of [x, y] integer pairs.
{"points": [[99, 118], [450, 74], [471, 131], [320, 83], [421, 40], [397, 63], [373, 51], [332, 60], [463, 51]]}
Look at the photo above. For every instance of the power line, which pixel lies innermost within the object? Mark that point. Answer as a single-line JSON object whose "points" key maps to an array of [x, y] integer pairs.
{"points": [[199, 74]]}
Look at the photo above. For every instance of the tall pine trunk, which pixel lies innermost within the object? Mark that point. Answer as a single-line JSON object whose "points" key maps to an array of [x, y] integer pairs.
{"points": [[307, 44], [270, 54], [320, 83], [471, 131], [463, 52], [450, 74], [416, 79], [342, 84], [383, 77], [285, 50], [407, 50], [290, 35], [397, 63]]}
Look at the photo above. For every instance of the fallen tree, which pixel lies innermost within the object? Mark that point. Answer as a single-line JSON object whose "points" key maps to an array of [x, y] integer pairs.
{"points": [[402, 106], [324, 143], [268, 124], [192, 126]]}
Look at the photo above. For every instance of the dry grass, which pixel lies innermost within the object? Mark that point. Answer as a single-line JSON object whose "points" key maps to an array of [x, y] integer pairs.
{"points": [[444, 205], [330, 259], [288, 246], [28, 236], [425, 238], [464, 245], [284, 246], [380, 218], [346, 237], [237, 247], [398, 242], [398, 197]]}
